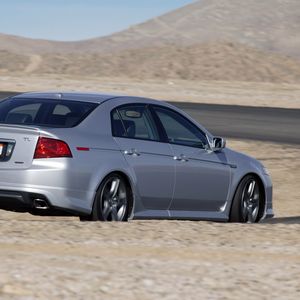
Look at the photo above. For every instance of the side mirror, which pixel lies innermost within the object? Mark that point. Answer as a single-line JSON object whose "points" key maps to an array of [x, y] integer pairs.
{"points": [[218, 144]]}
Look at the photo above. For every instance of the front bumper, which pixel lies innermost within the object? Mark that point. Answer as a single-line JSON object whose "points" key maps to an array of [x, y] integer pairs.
{"points": [[269, 213]]}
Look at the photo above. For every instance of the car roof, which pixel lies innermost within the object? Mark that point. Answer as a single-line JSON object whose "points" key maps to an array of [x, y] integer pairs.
{"points": [[81, 96], [74, 96]]}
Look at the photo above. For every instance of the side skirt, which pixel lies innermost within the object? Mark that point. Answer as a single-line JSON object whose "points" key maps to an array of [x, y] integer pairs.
{"points": [[180, 215]]}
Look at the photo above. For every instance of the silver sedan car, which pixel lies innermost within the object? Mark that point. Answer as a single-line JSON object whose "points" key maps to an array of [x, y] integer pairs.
{"points": [[114, 158]]}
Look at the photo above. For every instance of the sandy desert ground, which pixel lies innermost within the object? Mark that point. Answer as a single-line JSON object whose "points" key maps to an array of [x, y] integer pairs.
{"points": [[62, 258], [215, 92]]}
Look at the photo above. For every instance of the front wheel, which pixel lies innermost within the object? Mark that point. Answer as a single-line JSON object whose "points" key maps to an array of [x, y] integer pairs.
{"points": [[112, 201], [247, 201]]}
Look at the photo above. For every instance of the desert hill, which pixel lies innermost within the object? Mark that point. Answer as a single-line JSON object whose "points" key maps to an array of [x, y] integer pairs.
{"points": [[209, 61], [247, 40], [271, 25]]}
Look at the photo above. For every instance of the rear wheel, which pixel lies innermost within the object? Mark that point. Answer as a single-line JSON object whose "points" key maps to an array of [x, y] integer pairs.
{"points": [[112, 202], [247, 201]]}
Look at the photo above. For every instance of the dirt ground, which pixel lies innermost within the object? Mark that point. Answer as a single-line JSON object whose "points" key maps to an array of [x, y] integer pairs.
{"points": [[215, 92], [62, 258]]}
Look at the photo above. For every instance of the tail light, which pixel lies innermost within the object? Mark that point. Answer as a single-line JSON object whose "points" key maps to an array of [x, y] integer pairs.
{"points": [[49, 148]]}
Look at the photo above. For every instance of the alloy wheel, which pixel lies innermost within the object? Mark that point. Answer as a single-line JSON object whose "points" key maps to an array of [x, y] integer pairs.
{"points": [[250, 201], [114, 199]]}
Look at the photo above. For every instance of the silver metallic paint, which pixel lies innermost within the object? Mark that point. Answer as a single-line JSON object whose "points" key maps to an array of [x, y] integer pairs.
{"points": [[203, 189]]}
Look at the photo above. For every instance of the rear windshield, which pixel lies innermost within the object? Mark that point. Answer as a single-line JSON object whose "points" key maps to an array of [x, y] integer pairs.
{"points": [[44, 112]]}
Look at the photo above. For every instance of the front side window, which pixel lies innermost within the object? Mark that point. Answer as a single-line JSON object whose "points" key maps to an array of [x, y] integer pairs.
{"points": [[134, 121], [179, 130]]}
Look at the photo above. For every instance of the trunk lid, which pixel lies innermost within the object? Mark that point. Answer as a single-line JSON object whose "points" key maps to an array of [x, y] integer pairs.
{"points": [[17, 146]]}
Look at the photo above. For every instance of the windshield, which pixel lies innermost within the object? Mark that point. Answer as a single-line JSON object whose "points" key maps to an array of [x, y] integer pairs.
{"points": [[44, 112]]}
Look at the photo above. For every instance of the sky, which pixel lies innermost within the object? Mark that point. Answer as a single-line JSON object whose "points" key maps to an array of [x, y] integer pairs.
{"points": [[71, 20]]}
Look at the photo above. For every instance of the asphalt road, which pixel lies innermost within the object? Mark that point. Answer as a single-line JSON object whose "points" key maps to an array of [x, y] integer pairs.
{"points": [[257, 123], [243, 122]]}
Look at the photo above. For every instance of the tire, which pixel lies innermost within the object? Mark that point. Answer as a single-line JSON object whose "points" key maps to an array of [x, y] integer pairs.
{"points": [[247, 202], [112, 201]]}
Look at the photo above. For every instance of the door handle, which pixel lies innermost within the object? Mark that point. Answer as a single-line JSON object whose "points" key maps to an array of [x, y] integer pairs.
{"points": [[132, 152], [181, 158]]}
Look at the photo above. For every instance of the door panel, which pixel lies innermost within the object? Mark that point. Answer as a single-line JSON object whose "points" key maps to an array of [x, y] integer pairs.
{"points": [[202, 176], [202, 180], [152, 161], [154, 167]]}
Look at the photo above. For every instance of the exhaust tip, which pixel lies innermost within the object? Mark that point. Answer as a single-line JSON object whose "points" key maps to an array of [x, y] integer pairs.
{"points": [[40, 204]]}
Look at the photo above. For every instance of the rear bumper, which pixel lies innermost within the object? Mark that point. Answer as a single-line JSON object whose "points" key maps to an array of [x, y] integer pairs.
{"points": [[55, 181], [57, 201], [15, 201], [25, 202]]}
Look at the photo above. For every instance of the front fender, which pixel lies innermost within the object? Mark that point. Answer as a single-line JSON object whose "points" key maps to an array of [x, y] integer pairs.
{"points": [[245, 165]]}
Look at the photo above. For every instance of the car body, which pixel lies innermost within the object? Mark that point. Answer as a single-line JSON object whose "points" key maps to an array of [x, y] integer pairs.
{"points": [[191, 176]]}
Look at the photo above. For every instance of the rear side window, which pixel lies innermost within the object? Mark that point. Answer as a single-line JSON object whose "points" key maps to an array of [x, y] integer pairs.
{"points": [[134, 121], [44, 112]]}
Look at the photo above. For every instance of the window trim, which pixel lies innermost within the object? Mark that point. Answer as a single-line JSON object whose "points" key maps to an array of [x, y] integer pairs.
{"points": [[161, 127], [163, 137]]}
